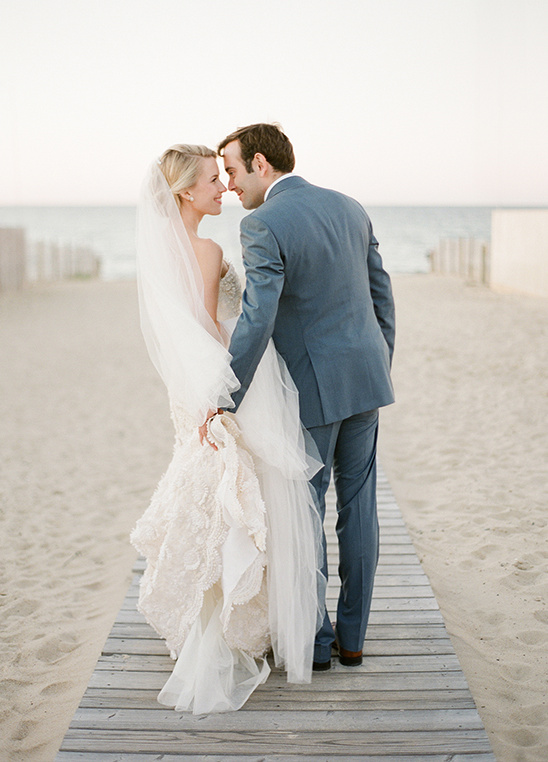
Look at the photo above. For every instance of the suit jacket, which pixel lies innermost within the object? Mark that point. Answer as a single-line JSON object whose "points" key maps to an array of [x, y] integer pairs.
{"points": [[315, 284]]}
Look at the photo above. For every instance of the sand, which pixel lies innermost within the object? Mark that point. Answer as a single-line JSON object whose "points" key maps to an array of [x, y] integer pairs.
{"points": [[85, 435], [466, 451]]}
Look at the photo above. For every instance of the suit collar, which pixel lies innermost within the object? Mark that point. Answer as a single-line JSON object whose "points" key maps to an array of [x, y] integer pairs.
{"points": [[285, 183], [273, 184]]}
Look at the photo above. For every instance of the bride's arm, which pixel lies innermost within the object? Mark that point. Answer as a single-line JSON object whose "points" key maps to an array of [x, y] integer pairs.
{"points": [[210, 260]]}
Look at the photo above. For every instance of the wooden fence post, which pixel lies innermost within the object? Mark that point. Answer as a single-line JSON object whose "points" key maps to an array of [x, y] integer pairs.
{"points": [[485, 274], [462, 254], [40, 259], [67, 268], [55, 261], [12, 258]]}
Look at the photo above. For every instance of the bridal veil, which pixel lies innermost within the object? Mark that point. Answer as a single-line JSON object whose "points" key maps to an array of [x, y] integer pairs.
{"points": [[192, 358]]}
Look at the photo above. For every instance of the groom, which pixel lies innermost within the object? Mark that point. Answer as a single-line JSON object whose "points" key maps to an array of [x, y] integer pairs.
{"points": [[315, 284]]}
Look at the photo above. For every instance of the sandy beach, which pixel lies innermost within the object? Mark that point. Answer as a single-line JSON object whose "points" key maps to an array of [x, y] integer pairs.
{"points": [[86, 434], [465, 449]]}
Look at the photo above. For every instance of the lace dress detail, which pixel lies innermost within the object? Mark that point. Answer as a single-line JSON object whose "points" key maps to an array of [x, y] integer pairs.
{"points": [[230, 295], [204, 539]]}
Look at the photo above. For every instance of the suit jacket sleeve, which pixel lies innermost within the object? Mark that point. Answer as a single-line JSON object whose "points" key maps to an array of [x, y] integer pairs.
{"points": [[381, 293], [264, 271]]}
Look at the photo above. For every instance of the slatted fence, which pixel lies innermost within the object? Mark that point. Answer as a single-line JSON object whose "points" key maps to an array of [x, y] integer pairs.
{"points": [[467, 258], [23, 261]]}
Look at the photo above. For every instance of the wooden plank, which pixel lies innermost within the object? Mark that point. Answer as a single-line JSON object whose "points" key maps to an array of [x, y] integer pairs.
{"points": [[381, 593], [113, 698], [391, 602], [413, 584], [167, 720], [392, 615], [384, 580], [135, 629], [398, 567], [395, 528], [371, 665], [328, 744], [317, 755], [385, 570], [345, 679], [384, 647]]}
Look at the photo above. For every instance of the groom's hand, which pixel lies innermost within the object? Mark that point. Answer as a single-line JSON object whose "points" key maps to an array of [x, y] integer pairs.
{"points": [[202, 430]]}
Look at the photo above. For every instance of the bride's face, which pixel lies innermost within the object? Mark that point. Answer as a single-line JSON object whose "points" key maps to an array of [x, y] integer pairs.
{"points": [[208, 189]]}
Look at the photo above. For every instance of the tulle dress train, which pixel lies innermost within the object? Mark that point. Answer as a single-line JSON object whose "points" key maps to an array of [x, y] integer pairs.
{"points": [[232, 541]]}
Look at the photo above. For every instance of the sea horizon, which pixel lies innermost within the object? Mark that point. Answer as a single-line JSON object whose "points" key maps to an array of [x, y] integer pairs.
{"points": [[406, 232]]}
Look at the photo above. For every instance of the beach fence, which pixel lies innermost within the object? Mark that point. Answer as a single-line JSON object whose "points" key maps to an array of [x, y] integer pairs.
{"points": [[25, 261], [12, 258], [467, 258]]}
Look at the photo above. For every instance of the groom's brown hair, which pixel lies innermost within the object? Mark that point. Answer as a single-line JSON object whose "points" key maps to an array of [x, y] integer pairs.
{"points": [[267, 139]]}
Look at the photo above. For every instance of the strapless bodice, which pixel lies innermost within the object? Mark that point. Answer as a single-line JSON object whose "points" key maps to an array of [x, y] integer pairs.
{"points": [[230, 295]]}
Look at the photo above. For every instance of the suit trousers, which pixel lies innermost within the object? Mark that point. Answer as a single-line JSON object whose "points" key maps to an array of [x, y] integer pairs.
{"points": [[349, 448]]}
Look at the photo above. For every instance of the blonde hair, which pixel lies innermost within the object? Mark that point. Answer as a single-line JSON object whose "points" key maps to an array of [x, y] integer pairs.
{"points": [[180, 165]]}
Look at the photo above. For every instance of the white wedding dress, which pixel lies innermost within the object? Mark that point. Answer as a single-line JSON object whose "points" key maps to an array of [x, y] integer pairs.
{"points": [[220, 563]]}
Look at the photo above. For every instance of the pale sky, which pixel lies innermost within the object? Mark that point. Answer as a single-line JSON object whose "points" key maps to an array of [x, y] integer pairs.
{"points": [[391, 101]]}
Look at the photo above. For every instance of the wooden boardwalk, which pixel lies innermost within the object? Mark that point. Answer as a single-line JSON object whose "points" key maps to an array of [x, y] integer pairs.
{"points": [[409, 701]]}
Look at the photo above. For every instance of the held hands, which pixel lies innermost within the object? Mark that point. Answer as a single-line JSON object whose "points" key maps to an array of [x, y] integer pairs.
{"points": [[203, 430]]}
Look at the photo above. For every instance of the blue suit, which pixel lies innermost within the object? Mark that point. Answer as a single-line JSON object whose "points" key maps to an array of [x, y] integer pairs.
{"points": [[315, 284]]}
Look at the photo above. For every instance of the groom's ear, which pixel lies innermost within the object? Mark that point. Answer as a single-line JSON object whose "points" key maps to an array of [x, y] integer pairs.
{"points": [[260, 164]]}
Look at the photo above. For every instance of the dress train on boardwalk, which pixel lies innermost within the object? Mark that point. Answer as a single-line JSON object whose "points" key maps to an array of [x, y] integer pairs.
{"points": [[232, 541]]}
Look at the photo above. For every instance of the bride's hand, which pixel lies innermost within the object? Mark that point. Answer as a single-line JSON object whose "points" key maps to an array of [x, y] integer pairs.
{"points": [[203, 429]]}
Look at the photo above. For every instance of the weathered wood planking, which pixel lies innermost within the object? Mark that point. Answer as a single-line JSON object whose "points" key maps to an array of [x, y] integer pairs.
{"points": [[408, 702], [106, 757]]}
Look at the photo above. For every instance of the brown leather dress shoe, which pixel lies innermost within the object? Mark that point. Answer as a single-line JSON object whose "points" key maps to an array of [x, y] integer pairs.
{"points": [[321, 666], [350, 658]]}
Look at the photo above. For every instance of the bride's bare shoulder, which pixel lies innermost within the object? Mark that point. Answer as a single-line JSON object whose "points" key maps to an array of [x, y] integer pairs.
{"points": [[206, 247], [210, 257]]}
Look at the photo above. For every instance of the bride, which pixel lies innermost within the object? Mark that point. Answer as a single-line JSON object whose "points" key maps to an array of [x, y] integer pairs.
{"points": [[231, 537]]}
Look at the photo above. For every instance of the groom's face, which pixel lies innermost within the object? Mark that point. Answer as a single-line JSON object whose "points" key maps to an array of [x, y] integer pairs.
{"points": [[249, 187]]}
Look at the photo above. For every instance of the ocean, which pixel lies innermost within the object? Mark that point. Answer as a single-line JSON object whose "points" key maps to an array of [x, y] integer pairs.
{"points": [[405, 233]]}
